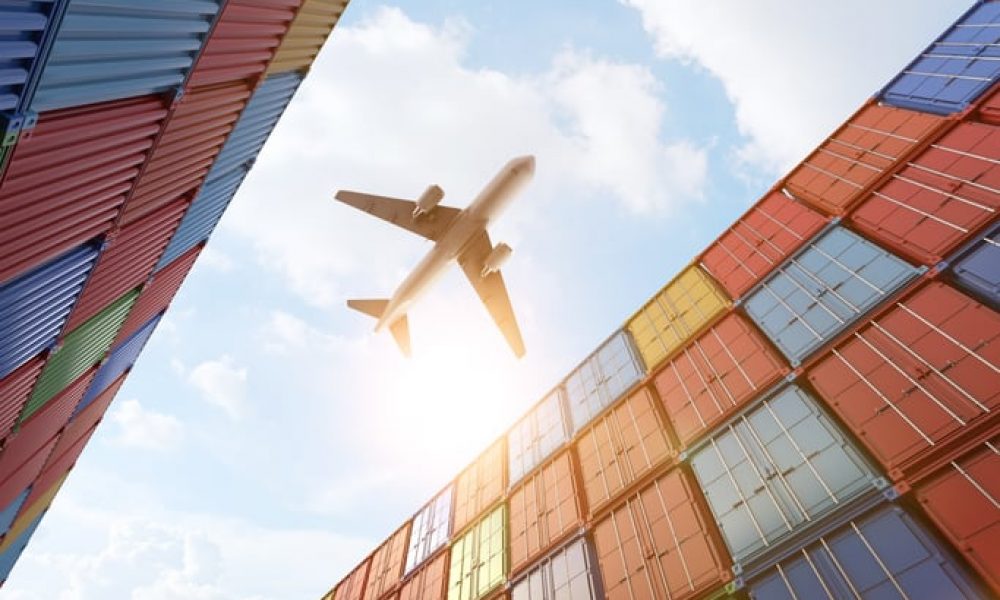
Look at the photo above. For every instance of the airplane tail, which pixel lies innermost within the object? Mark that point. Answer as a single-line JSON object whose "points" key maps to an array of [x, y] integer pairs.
{"points": [[400, 328]]}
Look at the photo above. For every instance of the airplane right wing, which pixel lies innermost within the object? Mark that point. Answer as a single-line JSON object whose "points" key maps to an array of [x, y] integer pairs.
{"points": [[400, 212], [491, 290]]}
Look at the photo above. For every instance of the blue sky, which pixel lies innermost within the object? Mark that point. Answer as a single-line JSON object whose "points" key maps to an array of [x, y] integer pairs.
{"points": [[266, 440]]}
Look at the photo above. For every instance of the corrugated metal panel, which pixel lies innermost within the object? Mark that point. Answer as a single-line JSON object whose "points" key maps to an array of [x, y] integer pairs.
{"points": [[430, 529], [387, 564], [675, 314], [479, 558], [759, 241], [10, 511], [660, 543], [34, 306], [39, 504], [158, 293], [920, 376], [9, 556], [118, 361], [27, 28], [884, 554], [543, 510], [977, 268], [14, 392], [430, 582], [202, 217], [66, 182], [111, 49], [353, 587], [956, 69], [62, 459], [822, 289], [601, 379], [81, 349], [313, 23], [775, 471], [964, 502], [537, 435], [480, 485], [23, 476], [88, 416], [620, 447], [873, 142], [715, 375], [570, 573], [940, 198]]}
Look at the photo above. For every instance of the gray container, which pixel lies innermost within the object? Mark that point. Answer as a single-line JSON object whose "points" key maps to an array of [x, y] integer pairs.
{"points": [[603, 378], [430, 529], [569, 573], [536, 436]]}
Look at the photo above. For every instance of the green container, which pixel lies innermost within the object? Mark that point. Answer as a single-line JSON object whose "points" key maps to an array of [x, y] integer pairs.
{"points": [[82, 348]]}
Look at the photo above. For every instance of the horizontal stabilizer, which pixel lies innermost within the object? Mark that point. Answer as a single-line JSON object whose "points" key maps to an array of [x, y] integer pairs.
{"points": [[372, 308]]}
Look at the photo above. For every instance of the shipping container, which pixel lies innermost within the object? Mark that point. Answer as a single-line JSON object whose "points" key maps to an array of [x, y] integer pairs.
{"points": [[977, 267], [715, 375], [90, 414], [919, 377], [536, 436], [479, 558], [940, 199], [28, 29], [65, 184], [678, 312], [81, 349], [429, 582], [353, 587], [776, 470], [306, 35], [601, 379], [120, 360], [39, 504], [12, 551], [430, 530], [660, 543], [35, 305], [829, 284], [544, 510], [989, 108], [622, 446], [480, 485], [884, 554], [15, 390], [113, 49], [956, 69], [871, 144], [157, 294], [760, 240], [64, 455], [10, 511], [386, 566], [569, 573], [12, 484]]}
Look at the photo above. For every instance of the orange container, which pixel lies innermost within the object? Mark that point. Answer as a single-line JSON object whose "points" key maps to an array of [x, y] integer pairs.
{"points": [[480, 485], [429, 582], [353, 586], [387, 564]]}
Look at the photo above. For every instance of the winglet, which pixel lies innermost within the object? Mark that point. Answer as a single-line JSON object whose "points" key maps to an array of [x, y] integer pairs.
{"points": [[400, 329], [372, 308]]}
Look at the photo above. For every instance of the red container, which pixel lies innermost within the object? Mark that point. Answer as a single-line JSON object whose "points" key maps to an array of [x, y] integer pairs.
{"points": [[192, 138], [244, 40], [88, 417], [870, 144], [618, 449], [544, 510], [14, 391], [759, 241], [387, 564], [989, 109], [158, 293], [480, 485], [429, 582], [353, 586], [940, 199], [58, 464], [16, 481], [127, 261], [918, 380], [715, 375], [661, 543], [66, 182]]}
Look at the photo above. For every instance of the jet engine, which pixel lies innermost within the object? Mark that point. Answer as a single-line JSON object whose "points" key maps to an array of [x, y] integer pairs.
{"points": [[497, 257], [428, 200]]}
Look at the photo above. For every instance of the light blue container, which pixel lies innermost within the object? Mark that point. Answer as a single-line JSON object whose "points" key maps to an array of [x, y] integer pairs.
{"points": [[9, 513], [536, 436], [27, 28], [603, 378], [430, 530], [9, 557], [977, 267]]}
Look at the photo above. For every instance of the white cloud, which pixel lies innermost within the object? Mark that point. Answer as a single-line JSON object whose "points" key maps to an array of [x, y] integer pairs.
{"points": [[222, 383], [215, 259], [143, 428]]}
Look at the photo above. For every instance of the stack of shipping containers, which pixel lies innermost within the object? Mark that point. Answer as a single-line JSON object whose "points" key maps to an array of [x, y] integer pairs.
{"points": [[808, 410], [128, 127]]}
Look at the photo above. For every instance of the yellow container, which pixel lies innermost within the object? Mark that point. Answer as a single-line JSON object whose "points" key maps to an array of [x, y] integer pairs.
{"points": [[677, 313], [29, 514], [479, 558], [306, 35]]}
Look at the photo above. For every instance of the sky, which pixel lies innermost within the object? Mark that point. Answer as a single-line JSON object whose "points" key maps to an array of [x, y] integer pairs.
{"points": [[267, 440]]}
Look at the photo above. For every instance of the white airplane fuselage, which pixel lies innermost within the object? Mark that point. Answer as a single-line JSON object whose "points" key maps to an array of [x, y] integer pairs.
{"points": [[467, 225]]}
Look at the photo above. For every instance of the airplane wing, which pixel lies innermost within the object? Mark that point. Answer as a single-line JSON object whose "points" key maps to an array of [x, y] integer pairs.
{"points": [[491, 290], [400, 212]]}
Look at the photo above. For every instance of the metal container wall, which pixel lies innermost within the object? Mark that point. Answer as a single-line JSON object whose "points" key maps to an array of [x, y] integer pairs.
{"points": [[121, 358], [306, 35], [977, 268], [536, 436], [773, 472], [480, 485], [429, 530], [108, 50], [989, 110], [429, 582], [81, 349], [675, 314], [873, 142], [353, 587], [202, 217], [759, 241], [659, 543], [715, 375], [41, 503], [10, 511], [620, 448], [956, 69], [884, 554], [12, 550], [65, 183], [570, 573], [35, 305], [604, 377], [28, 26], [86, 416], [916, 378], [14, 483], [940, 198], [832, 282], [387, 564], [544, 509], [14, 391], [158, 293], [479, 558]]}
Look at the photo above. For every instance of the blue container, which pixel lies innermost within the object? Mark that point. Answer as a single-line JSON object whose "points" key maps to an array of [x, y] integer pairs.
{"points": [[536, 436], [977, 267], [202, 216], [9, 512], [111, 49], [9, 556], [956, 69], [822, 289], [27, 28], [603, 378], [35, 305], [119, 360]]}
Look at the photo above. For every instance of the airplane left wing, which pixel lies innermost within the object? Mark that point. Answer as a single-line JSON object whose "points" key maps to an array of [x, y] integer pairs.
{"points": [[400, 212], [491, 290]]}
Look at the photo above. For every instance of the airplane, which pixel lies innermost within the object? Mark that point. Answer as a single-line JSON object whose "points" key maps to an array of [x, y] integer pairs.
{"points": [[457, 235]]}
